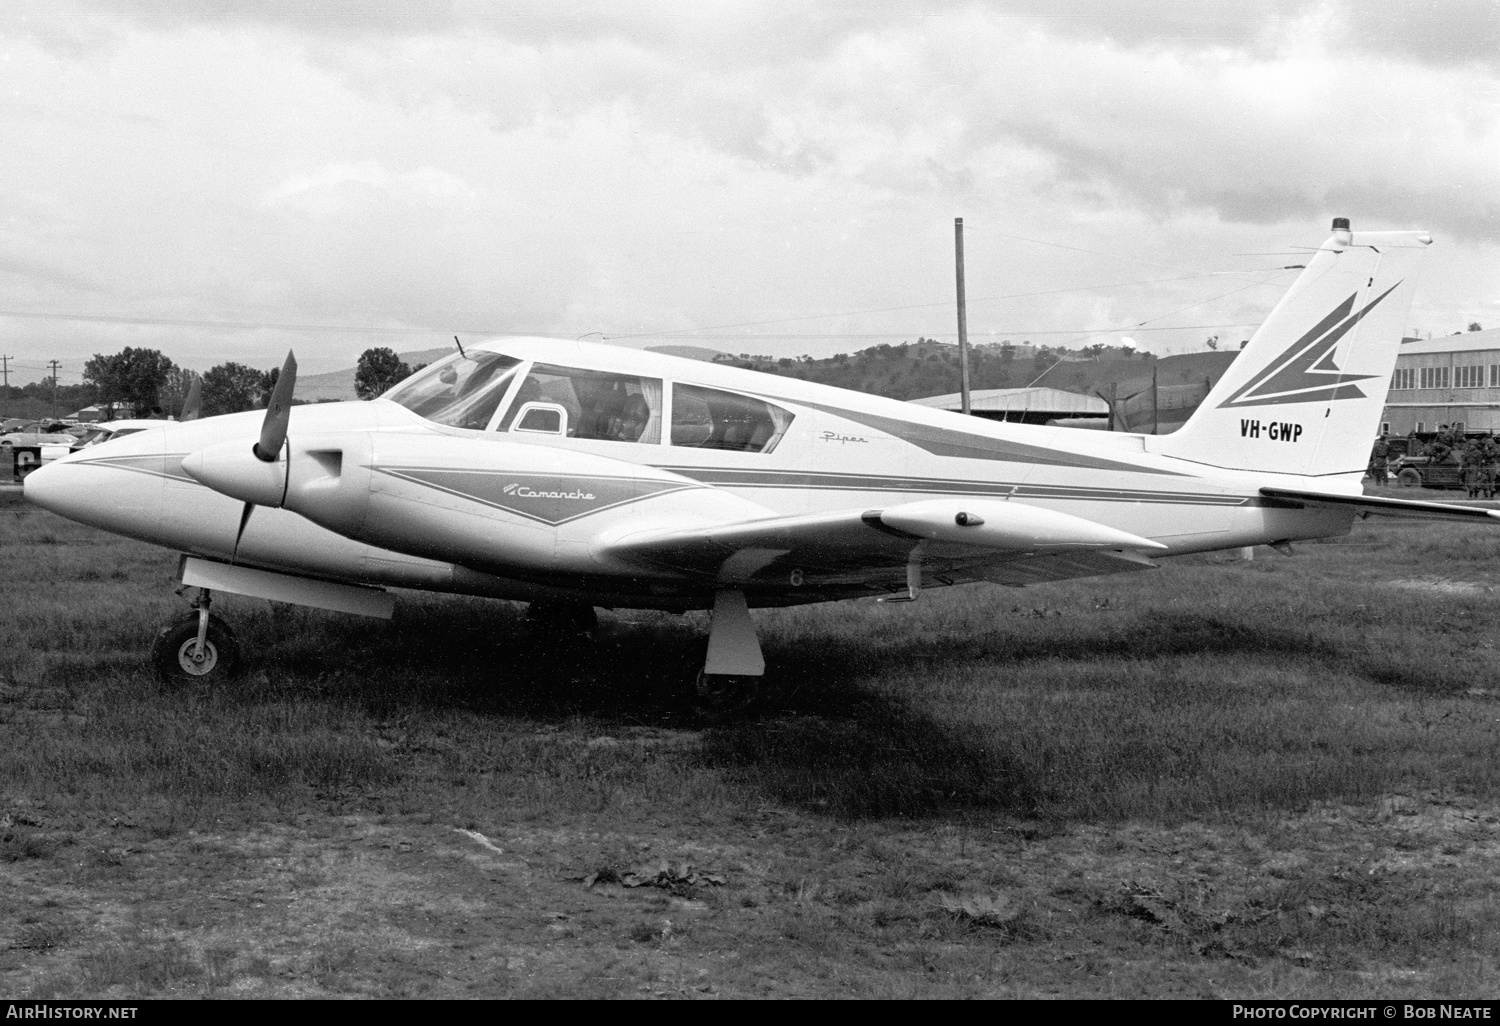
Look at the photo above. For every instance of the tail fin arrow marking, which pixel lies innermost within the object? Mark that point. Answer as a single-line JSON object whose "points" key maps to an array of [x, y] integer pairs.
{"points": [[1306, 372]]}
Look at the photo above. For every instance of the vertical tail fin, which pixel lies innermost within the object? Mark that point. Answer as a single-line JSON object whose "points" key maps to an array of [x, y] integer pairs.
{"points": [[1306, 394]]}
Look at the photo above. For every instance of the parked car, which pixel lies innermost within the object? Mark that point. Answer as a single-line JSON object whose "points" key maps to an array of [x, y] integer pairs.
{"points": [[30, 449], [1424, 472], [98, 434]]}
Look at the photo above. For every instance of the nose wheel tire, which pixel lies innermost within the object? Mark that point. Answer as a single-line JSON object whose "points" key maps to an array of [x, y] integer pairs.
{"points": [[179, 660]]}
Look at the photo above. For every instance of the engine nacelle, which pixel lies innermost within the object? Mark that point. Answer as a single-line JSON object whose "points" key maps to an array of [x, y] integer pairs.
{"points": [[485, 503]]}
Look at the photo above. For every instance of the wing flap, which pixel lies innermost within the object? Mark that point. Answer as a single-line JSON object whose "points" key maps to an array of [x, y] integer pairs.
{"points": [[1378, 506], [1063, 566]]}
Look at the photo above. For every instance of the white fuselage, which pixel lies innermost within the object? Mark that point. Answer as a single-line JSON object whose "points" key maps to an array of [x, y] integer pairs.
{"points": [[378, 495]]}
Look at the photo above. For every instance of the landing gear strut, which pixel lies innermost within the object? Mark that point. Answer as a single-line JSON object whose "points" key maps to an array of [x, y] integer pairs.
{"points": [[199, 647]]}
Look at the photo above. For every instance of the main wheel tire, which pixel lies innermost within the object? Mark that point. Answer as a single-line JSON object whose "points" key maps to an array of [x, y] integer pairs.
{"points": [[725, 696], [176, 660], [1409, 478]]}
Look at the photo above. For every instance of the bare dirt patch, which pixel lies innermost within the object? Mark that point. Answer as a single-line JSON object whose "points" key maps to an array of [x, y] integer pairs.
{"points": [[1394, 897], [1444, 587]]}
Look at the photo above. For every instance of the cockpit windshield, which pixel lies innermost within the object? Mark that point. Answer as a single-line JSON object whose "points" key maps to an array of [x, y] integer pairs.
{"points": [[460, 391]]}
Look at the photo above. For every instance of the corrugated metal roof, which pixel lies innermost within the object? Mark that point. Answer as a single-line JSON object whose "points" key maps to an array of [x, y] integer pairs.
{"points": [[1464, 342], [1021, 400]]}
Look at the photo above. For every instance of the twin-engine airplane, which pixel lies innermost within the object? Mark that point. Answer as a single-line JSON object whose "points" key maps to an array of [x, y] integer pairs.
{"points": [[573, 475]]}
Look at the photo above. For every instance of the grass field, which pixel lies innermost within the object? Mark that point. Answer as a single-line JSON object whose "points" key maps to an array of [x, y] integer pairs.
{"points": [[1277, 778]]}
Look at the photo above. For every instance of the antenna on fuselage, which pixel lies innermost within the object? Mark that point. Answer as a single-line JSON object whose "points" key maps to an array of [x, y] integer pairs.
{"points": [[460, 347]]}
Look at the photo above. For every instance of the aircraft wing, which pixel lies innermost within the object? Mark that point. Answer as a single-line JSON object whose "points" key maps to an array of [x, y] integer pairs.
{"points": [[1376, 506], [868, 551]]}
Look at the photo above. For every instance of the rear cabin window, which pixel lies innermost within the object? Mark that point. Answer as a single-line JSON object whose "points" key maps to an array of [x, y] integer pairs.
{"points": [[706, 418], [460, 391], [600, 406]]}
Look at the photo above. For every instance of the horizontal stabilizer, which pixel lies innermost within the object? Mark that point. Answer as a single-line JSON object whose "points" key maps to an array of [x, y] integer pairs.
{"points": [[1375, 506]]}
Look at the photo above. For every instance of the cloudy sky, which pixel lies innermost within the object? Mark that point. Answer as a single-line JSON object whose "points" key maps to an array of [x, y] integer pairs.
{"points": [[225, 179]]}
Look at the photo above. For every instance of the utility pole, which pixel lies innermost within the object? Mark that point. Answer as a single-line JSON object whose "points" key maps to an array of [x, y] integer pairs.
{"points": [[1155, 404], [54, 389], [963, 316], [5, 372]]}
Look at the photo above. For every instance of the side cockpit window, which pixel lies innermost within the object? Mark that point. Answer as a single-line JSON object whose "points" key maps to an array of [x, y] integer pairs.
{"points": [[587, 404], [706, 418], [461, 391]]}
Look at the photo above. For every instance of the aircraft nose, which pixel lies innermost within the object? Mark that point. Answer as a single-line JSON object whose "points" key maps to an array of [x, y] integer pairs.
{"points": [[48, 487], [120, 492]]}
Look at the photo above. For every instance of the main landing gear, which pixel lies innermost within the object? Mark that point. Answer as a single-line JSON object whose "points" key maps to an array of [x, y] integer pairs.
{"points": [[198, 648], [733, 673]]}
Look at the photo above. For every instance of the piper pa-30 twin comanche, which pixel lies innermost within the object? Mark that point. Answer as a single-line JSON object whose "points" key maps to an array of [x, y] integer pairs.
{"points": [[574, 475]]}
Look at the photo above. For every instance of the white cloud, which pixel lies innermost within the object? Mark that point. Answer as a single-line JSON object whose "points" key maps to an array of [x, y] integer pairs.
{"points": [[667, 166], [357, 189]]}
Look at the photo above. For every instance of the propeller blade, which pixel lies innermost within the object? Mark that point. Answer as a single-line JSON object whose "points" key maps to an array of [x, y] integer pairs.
{"points": [[193, 404], [278, 413]]}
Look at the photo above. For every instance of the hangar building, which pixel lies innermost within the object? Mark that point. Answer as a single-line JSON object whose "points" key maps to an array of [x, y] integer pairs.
{"points": [[1452, 380], [1033, 405]]}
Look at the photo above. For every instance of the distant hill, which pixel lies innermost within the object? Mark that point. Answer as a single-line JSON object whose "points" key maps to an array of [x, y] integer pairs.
{"points": [[915, 370], [1133, 375], [924, 368], [687, 352]]}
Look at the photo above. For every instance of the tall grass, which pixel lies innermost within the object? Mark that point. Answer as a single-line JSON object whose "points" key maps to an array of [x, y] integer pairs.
{"points": [[1209, 688], [1187, 781]]}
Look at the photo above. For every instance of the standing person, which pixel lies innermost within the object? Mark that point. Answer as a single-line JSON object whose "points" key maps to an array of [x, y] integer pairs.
{"points": [[1378, 457]]}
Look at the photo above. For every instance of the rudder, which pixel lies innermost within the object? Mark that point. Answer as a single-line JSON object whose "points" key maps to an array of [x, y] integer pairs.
{"points": [[1306, 394]]}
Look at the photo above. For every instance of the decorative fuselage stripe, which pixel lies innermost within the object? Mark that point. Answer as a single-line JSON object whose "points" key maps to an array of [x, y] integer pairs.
{"points": [[167, 465], [551, 499], [814, 481], [965, 445]]}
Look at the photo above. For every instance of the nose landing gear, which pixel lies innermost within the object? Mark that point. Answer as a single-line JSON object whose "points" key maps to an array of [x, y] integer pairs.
{"points": [[199, 647]]}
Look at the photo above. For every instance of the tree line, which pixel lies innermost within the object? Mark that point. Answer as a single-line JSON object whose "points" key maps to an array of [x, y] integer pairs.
{"points": [[150, 384]]}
